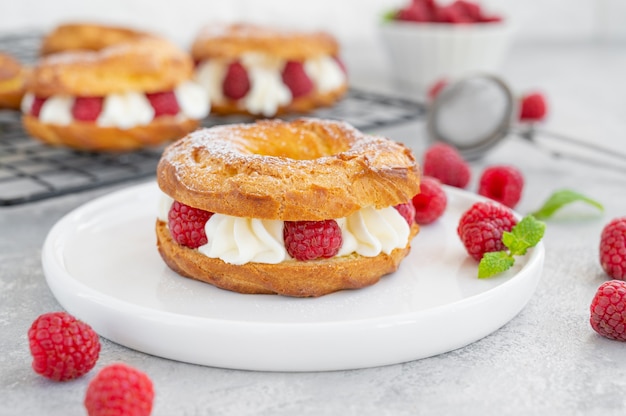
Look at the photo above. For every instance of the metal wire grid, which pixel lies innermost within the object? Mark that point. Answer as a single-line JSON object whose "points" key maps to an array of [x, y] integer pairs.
{"points": [[31, 170]]}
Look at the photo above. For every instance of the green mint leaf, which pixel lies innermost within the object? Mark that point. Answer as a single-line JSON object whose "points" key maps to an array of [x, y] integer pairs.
{"points": [[389, 16], [527, 233], [561, 198], [494, 263]]}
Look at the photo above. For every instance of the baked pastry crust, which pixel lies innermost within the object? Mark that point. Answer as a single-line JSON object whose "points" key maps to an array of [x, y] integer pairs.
{"points": [[304, 104], [87, 37], [231, 41], [304, 170], [13, 76], [145, 64], [90, 137]]}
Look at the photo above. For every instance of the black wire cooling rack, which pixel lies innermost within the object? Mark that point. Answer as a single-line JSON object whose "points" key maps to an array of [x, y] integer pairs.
{"points": [[31, 170]]}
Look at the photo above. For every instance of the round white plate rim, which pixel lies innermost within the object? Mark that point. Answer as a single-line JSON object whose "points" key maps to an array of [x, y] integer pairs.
{"points": [[76, 297]]}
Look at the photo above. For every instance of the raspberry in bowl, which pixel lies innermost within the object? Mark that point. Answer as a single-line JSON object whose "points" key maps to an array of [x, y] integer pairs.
{"points": [[427, 41]]}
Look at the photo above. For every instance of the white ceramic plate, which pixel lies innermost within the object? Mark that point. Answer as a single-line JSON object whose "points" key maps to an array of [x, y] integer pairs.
{"points": [[102, 265]]}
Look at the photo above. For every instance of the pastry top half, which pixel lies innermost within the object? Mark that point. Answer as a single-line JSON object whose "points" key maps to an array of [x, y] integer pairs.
{"points": [[231, 41], [143, 64], [307, 169], [87, 36]]}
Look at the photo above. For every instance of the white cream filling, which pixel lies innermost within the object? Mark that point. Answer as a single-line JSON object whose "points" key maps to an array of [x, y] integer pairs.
{"points": [[192, 100], [326, 73], [267, 90], [125, 110], [57, 110], [237, 240], [210, 75], [27, 102]]}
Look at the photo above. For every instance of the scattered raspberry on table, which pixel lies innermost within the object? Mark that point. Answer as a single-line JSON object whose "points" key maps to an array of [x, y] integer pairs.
{"points": [[608, 310], [481, 227], [445, 163], [502, 183], [436, 88], [613, 248], [119, 390], [533, 107], [431, 202], [63, 347]]}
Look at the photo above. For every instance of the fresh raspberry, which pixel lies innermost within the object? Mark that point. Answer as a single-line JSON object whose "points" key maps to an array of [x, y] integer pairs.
{"points": [[63, 347], [119, 390], [482, 237], [186, 225], [296, 78], [613, 248], [36, 107], [470, 9], [608, 310], [454, 14], [444, 162], [436, 88], [164, 103], [481, 227], [533, 107], [417, 11], [502, 183], [309, 240], [487, 211], [407, 210], [87, 108], [236, 82], [490, 19], [431, 202]]}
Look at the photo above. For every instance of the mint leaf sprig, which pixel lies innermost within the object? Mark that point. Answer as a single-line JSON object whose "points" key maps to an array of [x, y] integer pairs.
{"points": [[561, 198], [526, 234]]}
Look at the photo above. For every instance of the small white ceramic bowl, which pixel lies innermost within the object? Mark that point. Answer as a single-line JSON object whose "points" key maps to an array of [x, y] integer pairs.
{"points": [[423, 53]]}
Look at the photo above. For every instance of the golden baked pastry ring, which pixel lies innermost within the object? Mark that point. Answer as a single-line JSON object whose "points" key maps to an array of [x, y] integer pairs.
{"points": [[304, 170], [97, 61]]}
